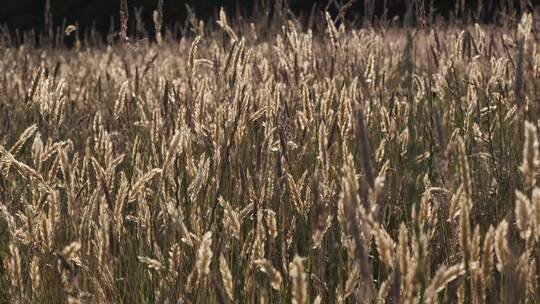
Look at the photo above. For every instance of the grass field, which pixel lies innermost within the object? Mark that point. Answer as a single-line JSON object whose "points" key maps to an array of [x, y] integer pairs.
{"points": [[242, 164]]}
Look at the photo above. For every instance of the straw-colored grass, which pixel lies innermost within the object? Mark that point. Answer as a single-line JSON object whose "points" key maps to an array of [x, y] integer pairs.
{"points": [[262, 162]]}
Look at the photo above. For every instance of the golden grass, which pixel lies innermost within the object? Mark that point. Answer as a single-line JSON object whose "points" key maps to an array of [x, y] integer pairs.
{"points": [[333, 165]]}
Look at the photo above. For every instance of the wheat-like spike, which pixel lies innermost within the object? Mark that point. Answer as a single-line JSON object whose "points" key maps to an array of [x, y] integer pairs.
{"points": [[455, 203], [204, 255], [525, 26], [474, 270], [177, 219], [36, 151], [532, 279], [14, 272], [403, 249], [502, 251], [200, 178], [174, 260], [124, 16], [294, 189], [70, 29], [385, 246], [120, 100], [271, 222], [487, 253], [321, 230], [26, 134], [226, 277], [523, 214], [192, 279], [352, 281], [24, 170], [151, 263], [193, 51], [464, 225], [411, 286], [222, 22], [158, 21], [35, 278], [299, 284], [118, 212], [258, 251], [273, 274], [383, 292], [531, 157], [378, 186], [140, 184], [535, 212], [232, 221], [443, 276], [175, 148], [70, 250], [332, 31]]}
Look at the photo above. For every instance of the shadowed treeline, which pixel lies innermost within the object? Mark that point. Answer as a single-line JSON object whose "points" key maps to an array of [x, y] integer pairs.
{"points": [[103, 16]]}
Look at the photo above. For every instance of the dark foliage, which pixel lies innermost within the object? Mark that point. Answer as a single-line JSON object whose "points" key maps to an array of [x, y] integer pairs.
{"points": [[29, 14]]}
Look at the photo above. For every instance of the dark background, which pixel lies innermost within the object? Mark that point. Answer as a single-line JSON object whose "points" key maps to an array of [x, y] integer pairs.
{"points": [[101, 14]]}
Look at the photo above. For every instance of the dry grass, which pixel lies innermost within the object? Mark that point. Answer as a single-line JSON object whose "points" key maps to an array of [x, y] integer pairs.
{"points": [[238, 165]]}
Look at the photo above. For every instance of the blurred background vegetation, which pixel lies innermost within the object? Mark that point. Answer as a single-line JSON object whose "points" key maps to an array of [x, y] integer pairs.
{"points": [[103, 14]]}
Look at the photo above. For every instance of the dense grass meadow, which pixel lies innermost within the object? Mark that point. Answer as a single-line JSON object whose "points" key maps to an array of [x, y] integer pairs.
{"points": [[257, 161]]}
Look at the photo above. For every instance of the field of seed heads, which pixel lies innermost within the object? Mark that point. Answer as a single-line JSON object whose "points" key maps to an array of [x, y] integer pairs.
{"points": [[246, 164]]}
